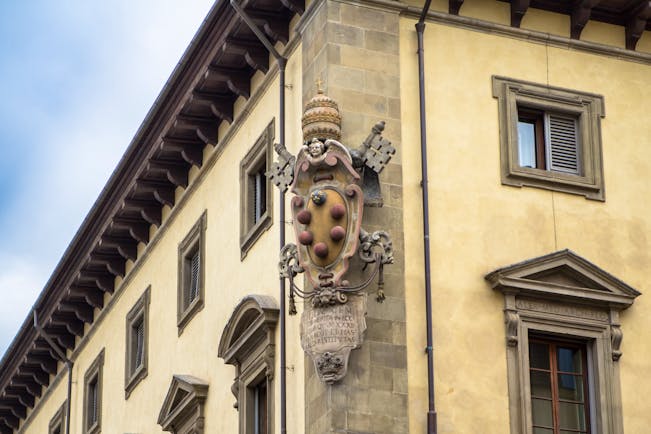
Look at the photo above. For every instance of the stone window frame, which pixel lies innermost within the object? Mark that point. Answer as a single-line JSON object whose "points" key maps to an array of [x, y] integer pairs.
{"points": [[93, 373], [133, 375], [587, 108], [193, 242], [261, 152], [58, 420], [247, 343], [540, 299], [182, 411]]}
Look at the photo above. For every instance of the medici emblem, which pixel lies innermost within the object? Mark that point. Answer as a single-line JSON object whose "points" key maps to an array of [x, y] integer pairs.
{"points": [[329, 182]]}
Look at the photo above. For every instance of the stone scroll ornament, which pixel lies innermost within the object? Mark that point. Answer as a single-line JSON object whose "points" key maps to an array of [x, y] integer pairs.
{"points": [[328, 183]]}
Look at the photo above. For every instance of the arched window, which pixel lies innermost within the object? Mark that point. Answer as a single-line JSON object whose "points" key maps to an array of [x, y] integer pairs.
{"points": [[248, 344]]}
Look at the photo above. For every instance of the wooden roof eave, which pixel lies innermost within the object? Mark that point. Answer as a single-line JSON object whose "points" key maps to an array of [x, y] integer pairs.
{"points": [[132, 170]]}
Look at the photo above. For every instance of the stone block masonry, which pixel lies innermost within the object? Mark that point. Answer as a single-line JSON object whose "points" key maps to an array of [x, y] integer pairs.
{"points": [[353, 50]]}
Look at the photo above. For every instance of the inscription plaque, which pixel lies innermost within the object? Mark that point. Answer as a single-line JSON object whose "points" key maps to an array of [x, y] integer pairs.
{"points": [[328, 335]]}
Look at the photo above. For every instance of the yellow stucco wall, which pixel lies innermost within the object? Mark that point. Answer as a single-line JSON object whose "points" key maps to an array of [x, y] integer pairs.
{"points": [[478, 224], [227, 280]]}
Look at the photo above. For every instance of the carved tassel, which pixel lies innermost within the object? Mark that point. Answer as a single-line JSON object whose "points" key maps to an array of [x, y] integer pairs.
{"points": [[292, 301], [380, 285]]}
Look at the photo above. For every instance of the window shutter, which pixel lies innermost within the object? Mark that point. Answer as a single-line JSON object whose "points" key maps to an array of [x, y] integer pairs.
{"points": [[259, 195], [562, 143], [92, 403], [194, 276], [140, 343]]}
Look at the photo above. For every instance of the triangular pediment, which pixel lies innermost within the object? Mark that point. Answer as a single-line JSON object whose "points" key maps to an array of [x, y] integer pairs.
{"points": [[184, 393], [563, 275]]}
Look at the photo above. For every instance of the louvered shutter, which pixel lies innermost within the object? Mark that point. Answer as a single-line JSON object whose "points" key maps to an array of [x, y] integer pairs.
{"points": [[194, 277], [92, 403], [259, 196], [562, 143], [140, 343]]}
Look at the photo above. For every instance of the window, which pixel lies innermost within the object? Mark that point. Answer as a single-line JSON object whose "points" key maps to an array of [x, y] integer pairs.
{"points": [[58, 421], [191, 273], [563, 344], [258, 419], [559, 386], [93, 396], [136, 343], [248, 343], [182, 410], [255, 190], [550, 137]]}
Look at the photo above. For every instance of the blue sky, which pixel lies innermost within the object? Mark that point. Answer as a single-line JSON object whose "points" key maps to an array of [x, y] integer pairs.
{"points": [[76, 80]]}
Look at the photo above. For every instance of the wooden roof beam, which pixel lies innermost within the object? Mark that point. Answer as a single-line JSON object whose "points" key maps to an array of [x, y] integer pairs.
{"points": [[42, 348], [138, 229], [9, 421], [518, 9], [39, 376], [47, 364], [236, 80], [82, 310], [13, 406], [62, 336], [27, 382], [176, 172], [296, 6], [101, 279], [21, 394], [637, 23], [191, 150], [220, 105], [162, 191], [149, 209], [92, 295], [126, 247], [274, 24], [254, 53], [24, 396], [113, 262], [454, 6], [69, 321], [580, 16], [204, 127]]}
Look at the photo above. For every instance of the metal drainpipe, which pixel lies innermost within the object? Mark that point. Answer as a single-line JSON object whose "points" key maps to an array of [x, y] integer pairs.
{"points": [[431, 412], [63, 358], [282, 63], [283, 371]]}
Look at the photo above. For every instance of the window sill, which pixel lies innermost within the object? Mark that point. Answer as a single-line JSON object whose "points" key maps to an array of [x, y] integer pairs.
{"points": [[254, 233], [555, 181], [95, 429], [184, 317], [135, 379]]}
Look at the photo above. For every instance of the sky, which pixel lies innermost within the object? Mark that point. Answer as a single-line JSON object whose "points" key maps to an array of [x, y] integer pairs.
{"points": [[77, 78]]}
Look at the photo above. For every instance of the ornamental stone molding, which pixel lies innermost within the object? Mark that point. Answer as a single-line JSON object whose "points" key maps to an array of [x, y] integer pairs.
{"points": [[182, 410], [565, 288]]}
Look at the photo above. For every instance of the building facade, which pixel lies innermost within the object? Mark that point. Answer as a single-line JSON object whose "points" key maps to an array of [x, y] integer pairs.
{"points": [[165, 313]]}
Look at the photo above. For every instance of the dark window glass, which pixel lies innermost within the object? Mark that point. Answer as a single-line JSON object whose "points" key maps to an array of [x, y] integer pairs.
{"points": [[258, 183], [260, 408], [558, 380], [92, 402], [138, 342], [195, 264]]}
